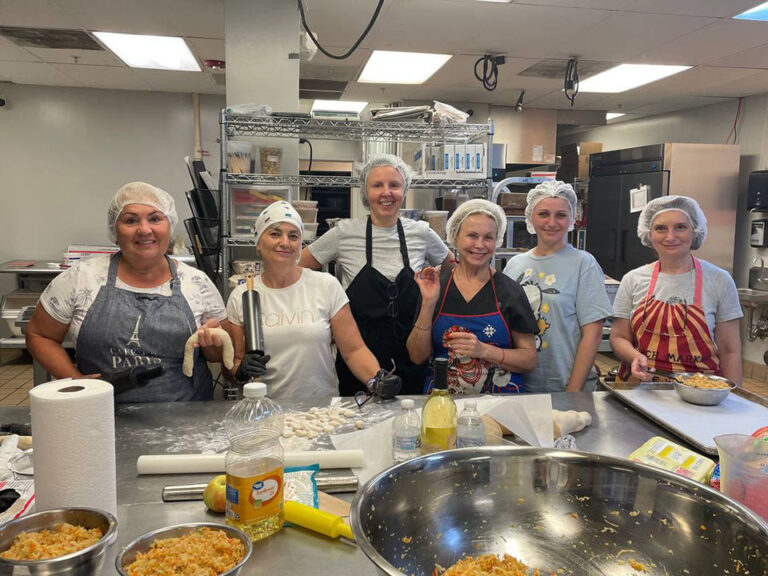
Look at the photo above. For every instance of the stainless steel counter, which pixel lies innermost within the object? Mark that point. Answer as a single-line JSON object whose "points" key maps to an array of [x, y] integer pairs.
{"points": [[172, 427]]}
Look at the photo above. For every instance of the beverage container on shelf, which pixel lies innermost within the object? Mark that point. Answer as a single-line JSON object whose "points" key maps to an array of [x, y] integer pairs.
{"points": [[254, 463], [470, 430], [406, 433], [438, 419]]}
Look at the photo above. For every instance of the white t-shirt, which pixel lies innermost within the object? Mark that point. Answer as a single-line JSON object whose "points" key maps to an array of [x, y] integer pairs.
{"points": [[345, 243], [296, 323], [719, 297], [69, 296]]}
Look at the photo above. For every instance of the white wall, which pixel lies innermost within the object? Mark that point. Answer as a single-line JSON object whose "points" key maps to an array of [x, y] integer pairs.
{"points": [[64, 152], [709, 124]]}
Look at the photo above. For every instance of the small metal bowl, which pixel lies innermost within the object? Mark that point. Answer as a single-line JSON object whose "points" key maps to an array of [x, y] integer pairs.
{"points": [[143, 543], [701, 396], [85, 562]]}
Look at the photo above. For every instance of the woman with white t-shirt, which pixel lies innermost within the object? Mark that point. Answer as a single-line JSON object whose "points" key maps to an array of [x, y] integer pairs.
{"points": [[680, 313], [376, 260], [134, 309], [302, 313]]}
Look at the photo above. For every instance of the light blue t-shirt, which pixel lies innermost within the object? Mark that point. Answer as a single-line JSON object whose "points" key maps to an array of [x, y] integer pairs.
{"points": [[567, 291]]}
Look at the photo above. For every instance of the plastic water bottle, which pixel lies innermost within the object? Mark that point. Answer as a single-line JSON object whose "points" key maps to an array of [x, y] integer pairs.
{"points": [[470, 430], [254, 463], [406, 433]]}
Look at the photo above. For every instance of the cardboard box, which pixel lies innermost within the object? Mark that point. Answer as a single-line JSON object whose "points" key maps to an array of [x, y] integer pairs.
{"points": [[514, 200], [583, 170], [587, 148]]}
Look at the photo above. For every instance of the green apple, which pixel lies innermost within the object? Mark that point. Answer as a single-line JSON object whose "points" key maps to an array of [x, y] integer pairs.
{"points": [[215, 494]]}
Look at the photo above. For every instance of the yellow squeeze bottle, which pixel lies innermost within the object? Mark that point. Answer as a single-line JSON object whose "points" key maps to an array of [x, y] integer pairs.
{"points": [[316, 520]]}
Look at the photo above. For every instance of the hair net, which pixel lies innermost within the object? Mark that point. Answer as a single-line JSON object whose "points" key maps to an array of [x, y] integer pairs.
{"points": [[275, 213], [477, 206], [550, 189], [687, 206], [377, 162], [140, 193]]}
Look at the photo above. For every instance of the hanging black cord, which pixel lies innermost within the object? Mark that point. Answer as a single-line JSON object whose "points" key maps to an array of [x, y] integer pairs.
{"points": [[490, 77], [308, 143], [349, 52], [571, 83]]}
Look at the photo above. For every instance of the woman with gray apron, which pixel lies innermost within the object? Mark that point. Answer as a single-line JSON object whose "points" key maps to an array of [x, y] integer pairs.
{"points": [[130, 314], [382, 293]]}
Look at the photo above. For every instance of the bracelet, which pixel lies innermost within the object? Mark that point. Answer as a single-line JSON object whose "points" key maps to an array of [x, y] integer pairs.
{"points": [[421, 328], [503, 359]]}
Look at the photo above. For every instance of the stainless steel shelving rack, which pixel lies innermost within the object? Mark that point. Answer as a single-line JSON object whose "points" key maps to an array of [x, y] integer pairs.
{"points": [[234, 125]]}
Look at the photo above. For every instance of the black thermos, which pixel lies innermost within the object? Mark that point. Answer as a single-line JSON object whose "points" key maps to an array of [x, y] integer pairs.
{"points": [[254, 337]]}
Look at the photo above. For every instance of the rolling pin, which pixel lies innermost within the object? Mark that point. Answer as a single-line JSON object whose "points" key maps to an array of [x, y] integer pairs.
{"points": [[316, 520], [214, 463]]}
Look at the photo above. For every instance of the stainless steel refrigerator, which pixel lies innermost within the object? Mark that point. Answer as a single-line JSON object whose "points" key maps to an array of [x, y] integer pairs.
{"points": [[622, 181]]}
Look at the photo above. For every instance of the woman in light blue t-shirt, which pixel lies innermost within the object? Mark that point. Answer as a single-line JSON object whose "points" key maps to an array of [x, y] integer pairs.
{"points": [[566, 288]]}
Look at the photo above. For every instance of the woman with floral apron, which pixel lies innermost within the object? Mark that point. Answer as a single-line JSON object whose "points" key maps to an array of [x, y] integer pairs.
{"points": [[680, 314]]}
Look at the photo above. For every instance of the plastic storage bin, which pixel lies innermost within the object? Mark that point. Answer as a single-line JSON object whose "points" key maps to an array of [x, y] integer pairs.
{"points": [[437, 219], [271, 160]]}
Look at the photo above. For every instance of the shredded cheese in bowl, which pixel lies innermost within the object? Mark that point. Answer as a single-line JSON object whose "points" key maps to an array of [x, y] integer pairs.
{"points": [[487, 565], [705, 382], [62, 540]]}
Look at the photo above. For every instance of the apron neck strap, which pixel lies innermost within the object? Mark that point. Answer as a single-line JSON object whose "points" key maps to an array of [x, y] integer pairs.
{"points": [[115, 259], [369, 243], [697, 289]]}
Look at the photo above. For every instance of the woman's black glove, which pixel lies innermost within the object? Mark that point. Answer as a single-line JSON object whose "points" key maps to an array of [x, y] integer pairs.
{"points": [[254, 365]]}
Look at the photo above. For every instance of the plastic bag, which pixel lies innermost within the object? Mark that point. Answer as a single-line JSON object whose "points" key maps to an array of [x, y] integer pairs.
{"points": [[448, 114]]}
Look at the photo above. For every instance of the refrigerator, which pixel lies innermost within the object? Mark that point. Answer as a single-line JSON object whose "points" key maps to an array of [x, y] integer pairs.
{"points": [[622, 181]]}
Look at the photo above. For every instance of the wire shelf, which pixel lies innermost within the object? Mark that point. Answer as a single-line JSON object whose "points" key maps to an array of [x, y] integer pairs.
{"points": [[344, 181], [302, 127]]}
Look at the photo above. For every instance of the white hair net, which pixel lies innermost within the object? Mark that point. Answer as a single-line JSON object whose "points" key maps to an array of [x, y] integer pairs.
{"points": [[275, 213], [687, 206], [140, 193], [550, 189], [477, 206], [377, 162]]}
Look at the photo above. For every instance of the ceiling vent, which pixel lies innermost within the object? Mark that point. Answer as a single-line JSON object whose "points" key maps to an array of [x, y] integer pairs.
{"points": [[56, 39], [311, 89], [554, 69]]}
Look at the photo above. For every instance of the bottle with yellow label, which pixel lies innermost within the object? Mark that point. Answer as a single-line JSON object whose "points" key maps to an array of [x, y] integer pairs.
{"points": [[438, 419], [254, 464]]}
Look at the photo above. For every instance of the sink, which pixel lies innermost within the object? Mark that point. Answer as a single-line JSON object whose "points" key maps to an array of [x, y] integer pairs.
{"points": [[751, 297]]}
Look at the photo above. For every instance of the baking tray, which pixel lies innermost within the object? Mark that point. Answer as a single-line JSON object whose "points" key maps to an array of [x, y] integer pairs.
{"points": [[676, 426]]}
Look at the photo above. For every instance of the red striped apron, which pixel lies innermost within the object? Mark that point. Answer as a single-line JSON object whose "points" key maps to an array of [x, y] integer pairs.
{"points": [[674, 337]]}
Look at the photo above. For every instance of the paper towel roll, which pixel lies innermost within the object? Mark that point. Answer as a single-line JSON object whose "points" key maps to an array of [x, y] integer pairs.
{"points": [[214, 463], [73, 422]]}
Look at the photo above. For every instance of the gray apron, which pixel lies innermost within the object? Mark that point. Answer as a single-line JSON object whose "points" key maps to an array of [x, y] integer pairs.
{"points": [[123, 329]]}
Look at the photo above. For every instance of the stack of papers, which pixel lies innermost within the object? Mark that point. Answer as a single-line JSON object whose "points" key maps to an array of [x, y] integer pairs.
{"points": [[77, 252]]}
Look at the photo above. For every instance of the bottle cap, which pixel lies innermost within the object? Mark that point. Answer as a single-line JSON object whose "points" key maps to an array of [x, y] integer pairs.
{"points": [[407, 404], [441, 374], [255, 390]]}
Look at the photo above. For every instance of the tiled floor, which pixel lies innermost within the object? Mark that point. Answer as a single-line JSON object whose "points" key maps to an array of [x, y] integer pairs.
{"points": [[16, 380]]}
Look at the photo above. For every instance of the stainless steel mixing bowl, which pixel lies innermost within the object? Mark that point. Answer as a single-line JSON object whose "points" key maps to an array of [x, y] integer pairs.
{"points": [[85, 562], [583, 513], [143, 543], [701, 396]]}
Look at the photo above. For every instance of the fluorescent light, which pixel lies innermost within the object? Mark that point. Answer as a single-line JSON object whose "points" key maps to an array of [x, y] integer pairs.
{"points": [[158, 52], [757, 13], [384, 67], [627, 76], [338, 106], [612, 115]]}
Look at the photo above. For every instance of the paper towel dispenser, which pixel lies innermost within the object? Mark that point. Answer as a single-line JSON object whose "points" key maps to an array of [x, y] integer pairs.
{"points": [[757, 190]]}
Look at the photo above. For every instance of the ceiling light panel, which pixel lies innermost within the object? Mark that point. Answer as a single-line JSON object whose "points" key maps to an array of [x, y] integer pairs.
{"points": [[757, 13], [628, 76], [385, 67], [612, 115], [156, 52]]}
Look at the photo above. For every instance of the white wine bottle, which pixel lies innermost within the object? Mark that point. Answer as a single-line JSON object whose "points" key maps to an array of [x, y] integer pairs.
{"points": [[438, 419]]}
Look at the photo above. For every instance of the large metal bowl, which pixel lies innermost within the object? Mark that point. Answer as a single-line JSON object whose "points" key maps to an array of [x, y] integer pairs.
{"points": [[85, 562], [583, 513], [143, 543], [701, 396]]}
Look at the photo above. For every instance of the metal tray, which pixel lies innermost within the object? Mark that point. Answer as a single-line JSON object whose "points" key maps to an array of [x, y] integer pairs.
{"points": [[616, 387]]}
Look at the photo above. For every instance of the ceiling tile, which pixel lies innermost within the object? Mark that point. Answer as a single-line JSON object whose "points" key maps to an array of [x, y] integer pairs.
{"points": [[600, 4], [35, 14], [557, 100], [163, 81], [676, 103], [206, 48], [35, 73], [753, 58], [701, 46], [756, 83], [709, 8], [92, 57], [117, 78], [9, 51], [623, 36]]}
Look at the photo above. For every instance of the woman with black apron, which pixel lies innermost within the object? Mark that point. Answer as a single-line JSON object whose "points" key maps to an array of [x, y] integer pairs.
{"points": [[376, 260]]}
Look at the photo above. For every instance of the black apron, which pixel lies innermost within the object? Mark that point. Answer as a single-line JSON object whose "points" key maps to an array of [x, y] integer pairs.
{"points": [[384, 312]]}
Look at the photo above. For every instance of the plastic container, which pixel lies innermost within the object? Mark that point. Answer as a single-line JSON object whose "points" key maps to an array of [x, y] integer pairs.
{"points": [[239, 156], [667, 455], [310, 231], [304, 204], [470, 430], [254, 464], [271, 160], [437, 220], [308, 215], [406, 433], [438, 418], [744, 470]]}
